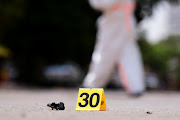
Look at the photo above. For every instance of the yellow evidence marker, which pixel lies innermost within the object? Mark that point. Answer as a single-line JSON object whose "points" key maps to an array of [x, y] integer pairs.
{"points": [[91, 99]]}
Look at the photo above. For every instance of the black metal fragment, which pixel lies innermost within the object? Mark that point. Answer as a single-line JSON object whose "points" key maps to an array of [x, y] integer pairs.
{"points": [[149, 112], [58, 106]]}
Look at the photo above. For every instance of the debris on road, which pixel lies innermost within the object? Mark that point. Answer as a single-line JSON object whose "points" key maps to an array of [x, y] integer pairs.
{"points": [[58, 106], [148, 112]]}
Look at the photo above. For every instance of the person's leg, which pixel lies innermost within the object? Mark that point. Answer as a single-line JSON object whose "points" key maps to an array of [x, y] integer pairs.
{"points": [[100, 70], [131, 70], [108, 47], [112, 38]]}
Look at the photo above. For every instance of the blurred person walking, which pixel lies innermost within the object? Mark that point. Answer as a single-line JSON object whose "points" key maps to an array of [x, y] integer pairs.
{"points": [[116, 45]]}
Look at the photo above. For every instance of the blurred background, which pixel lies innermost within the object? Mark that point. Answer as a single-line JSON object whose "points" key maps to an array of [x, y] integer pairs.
{"points": [[49, 43]]}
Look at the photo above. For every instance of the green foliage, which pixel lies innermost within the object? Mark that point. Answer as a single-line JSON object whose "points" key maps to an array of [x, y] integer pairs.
{"points": [[10, 12], [158, 56], [48, 32], [43, 32]]}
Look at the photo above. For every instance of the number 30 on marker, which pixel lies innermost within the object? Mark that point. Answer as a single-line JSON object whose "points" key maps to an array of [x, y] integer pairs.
{"points": [[91, 99]]}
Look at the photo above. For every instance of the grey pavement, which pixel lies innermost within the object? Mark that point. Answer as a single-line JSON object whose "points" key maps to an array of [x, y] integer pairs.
{"points": [[32, 105]]}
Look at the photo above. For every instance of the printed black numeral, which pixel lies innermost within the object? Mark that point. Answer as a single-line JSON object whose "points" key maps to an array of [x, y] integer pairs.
{"points": [[91, 99], [87, 96]]}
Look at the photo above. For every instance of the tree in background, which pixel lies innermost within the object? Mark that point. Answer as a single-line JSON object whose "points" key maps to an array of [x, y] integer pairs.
{"points": [[44, 32], [10, 12], [49, 32], [163, 58]]}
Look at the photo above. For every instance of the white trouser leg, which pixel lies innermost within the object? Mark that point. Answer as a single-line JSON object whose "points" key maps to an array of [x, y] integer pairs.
{"points": [[130, 68], [103, 61], [100, 69], [112, 39]]}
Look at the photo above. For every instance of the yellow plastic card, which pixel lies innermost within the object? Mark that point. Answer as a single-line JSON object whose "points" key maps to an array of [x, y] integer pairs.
{"points": [[91, 99]]}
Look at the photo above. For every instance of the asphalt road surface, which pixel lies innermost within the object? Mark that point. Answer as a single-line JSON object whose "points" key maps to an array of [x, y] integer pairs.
{"points": [[32, 105]]}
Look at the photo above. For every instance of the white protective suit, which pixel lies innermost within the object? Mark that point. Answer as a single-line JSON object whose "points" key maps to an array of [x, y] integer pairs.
{"points": [[116, 45]]}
